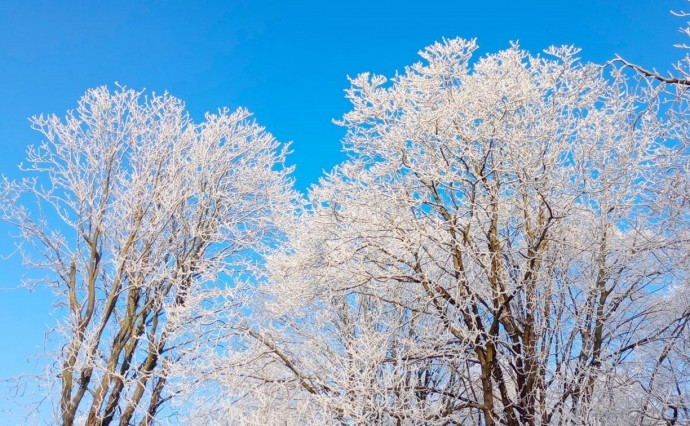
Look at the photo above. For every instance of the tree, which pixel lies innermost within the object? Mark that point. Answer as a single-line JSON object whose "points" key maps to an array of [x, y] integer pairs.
{"points": [[146, 225], [507, 244]]}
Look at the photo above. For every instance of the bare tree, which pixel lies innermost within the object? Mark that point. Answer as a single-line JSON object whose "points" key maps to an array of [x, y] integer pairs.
{"points": [[508, 244], [146, 225]]}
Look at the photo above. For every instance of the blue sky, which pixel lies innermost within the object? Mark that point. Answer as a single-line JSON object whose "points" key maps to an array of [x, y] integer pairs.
{"points": [[287, 62]]}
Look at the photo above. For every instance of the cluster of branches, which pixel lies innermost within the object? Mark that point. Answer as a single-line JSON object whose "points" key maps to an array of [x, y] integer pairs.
{"points": [[508, 243], [146, 224]]}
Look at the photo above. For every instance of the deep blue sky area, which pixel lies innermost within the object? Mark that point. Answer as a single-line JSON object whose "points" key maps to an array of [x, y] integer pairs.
{"points": [[287, 62]]}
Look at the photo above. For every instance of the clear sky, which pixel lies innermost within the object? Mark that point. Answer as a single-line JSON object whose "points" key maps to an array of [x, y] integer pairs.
{"points": [[286, 61]]}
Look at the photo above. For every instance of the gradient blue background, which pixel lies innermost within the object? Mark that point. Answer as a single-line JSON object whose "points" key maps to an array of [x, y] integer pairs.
{"points": [[285, 61]]}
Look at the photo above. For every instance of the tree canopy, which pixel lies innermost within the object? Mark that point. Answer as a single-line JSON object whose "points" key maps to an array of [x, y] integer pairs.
{"points": [[506, 244]]}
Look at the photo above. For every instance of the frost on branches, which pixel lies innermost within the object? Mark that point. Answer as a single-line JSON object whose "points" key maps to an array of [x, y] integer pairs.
{"points": [[147, 224], [507, 244]]}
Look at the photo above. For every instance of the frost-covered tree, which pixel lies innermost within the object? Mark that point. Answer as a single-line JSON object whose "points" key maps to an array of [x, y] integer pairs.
{"points": [[507, 244], [146, 224]]}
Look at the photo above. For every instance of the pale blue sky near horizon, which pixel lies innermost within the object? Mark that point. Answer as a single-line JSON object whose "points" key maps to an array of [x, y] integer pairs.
{"points": [[287, 62]]}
